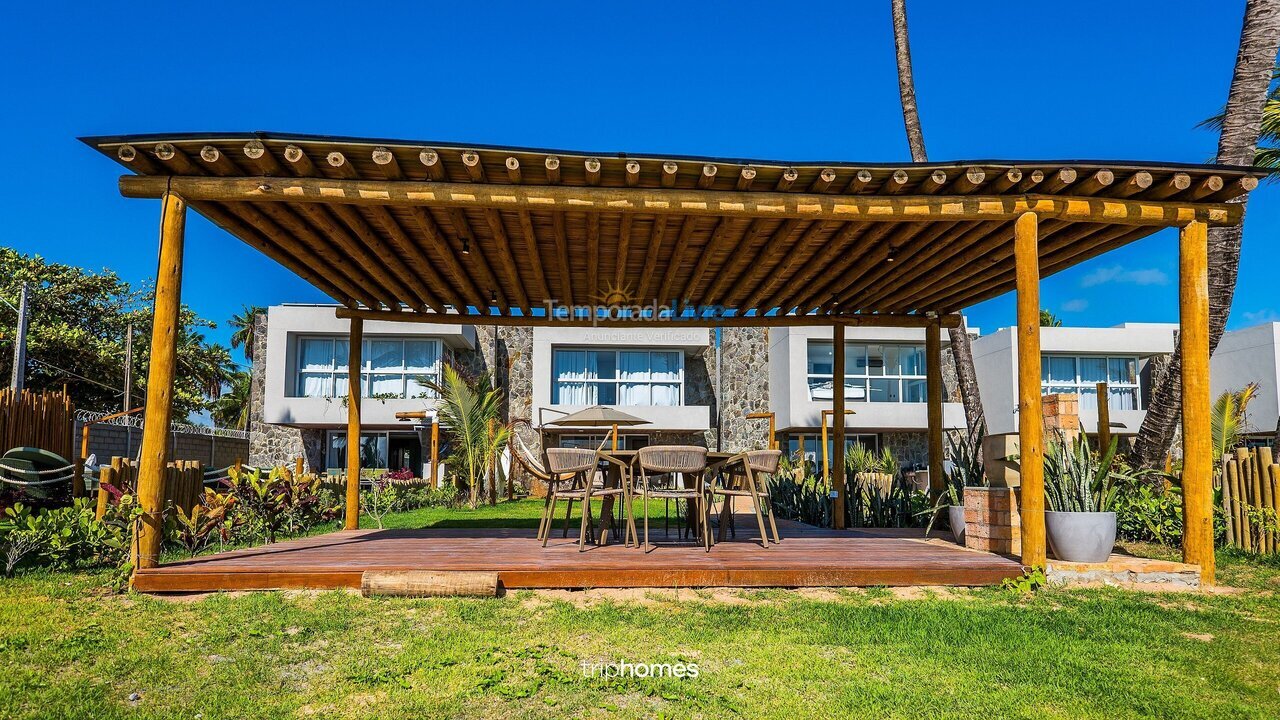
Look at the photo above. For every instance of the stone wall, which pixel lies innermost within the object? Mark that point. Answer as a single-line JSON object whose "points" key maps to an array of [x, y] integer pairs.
{"points": [[268, 444], [910, 448], [744, 386]]}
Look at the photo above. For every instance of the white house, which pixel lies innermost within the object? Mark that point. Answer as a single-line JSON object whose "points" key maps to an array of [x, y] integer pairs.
{"points": [[885, 380], [1074, 360], [305, 372], [1245, 356]]}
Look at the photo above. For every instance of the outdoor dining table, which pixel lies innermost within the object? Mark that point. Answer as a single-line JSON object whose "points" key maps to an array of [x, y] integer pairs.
{"points": [[613, 477]]}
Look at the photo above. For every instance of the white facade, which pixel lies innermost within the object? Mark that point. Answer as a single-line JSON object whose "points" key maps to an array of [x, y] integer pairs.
{"points": [[675, 412], [285, 402], [1245, 356], [995, 360], [795, 407]]}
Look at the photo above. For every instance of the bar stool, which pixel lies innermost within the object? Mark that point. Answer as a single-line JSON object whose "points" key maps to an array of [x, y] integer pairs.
{"points": [[679, 463], [753, 468]]}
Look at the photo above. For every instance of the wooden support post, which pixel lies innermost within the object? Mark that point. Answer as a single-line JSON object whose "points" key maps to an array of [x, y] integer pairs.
{"points": [[837, 423], [1104, 417], [1197, 454], [1030, 423], [77, 485], [297, 467], [933, 375], [435, 452], [154, 455], [354, 365]]}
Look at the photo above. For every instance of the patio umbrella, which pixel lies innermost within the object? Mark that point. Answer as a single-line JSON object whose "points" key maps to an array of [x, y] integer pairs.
{"points": [[599, 416]]}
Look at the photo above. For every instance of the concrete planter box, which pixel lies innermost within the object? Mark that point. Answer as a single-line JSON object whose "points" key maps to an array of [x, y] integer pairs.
{"points": [[1080, 536], [955, 514]]}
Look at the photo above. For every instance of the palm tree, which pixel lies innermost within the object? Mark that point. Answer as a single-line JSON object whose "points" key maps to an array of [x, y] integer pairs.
{"points": [[961, 351], [1227, 421], [1241, 124], [243, 324], [231, 409], [1048, 319], [470, 413]]}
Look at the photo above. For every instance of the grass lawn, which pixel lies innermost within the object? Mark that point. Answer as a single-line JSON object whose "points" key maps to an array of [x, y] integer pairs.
{"points": [[67, 649]]}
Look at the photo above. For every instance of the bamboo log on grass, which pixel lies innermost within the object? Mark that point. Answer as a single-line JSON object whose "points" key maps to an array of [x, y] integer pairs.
{"points": [[1262, 459], [1227, 511], [1241, 509]]}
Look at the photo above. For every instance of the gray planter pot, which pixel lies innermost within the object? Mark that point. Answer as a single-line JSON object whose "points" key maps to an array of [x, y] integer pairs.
{"points": [[1080, 536], [955, 513]]}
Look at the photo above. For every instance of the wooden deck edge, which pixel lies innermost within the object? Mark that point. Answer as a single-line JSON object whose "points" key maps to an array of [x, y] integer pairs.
{"points": [[171, 582]]}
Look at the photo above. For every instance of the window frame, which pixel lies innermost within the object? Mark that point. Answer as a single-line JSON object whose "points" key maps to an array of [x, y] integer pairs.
{"points": [[865, 376], [338, 389], [617, 381], [1049, 386]]}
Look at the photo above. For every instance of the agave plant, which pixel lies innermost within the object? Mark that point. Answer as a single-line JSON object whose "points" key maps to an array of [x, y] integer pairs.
{"points": [[1076, 479], [966, 471]]}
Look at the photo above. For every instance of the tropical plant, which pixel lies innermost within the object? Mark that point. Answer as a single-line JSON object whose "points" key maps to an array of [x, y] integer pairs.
{"points": [[1241, 124], [470, 411], [231, 409], [1148, 511], [79, 320], [966, 468], [195, 529], [1076, 479], [1227, 419], [1048, 319], [244, 329]]}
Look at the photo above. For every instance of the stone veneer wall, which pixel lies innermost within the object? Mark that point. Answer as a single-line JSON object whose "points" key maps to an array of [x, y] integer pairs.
{"points": [[909, 447], [744, 384], [276, 444]]}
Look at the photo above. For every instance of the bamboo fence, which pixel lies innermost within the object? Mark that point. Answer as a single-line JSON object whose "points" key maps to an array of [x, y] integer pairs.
{"points": [[1251, 500], [183, 482], [43, 420]]}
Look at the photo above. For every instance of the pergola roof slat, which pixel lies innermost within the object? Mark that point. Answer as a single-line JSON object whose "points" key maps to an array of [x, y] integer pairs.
{"points": [[431, 229]]}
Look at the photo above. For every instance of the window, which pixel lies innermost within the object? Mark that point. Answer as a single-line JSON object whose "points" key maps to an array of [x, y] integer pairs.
{"points": [[625, 442], [873, 373], [1081, 374], [617, 377], [812, 444], [373, 450], [393, 367]]}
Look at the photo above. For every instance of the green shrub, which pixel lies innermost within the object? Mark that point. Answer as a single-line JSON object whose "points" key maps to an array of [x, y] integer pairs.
{"points": [[1148, 510]]}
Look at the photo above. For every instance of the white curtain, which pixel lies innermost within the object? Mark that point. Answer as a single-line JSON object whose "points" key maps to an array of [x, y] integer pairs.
{"points": [[572, 370]]}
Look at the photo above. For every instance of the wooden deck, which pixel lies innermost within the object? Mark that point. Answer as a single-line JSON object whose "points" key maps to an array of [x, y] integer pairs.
{"points": [[807, 557]]}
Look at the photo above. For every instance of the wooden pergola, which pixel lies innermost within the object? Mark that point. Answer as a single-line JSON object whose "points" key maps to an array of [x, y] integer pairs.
{"points": [[414, 231]]}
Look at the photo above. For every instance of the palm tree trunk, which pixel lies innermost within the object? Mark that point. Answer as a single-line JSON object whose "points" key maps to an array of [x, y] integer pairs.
{"points": [[1241, 124], [961, 351], [906, 83], [967, 379]]}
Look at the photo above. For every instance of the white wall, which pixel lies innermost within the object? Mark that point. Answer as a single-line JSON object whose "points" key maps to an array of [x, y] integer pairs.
{"points": [[285, 323], [995, 361], [789, 384], [1245, 356], [681, 417]]}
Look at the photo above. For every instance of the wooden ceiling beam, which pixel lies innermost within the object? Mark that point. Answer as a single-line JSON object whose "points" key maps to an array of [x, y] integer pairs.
{"points": [[819, 292], [787, 293], [701, 203], [593, 257], [906, 243], [687, 228], [652, 252], [738, 259], [498, 230], [561, 239], [773, 251], [624, 251], [389, 261], [716, 245], [793, 258], [331, 285]]}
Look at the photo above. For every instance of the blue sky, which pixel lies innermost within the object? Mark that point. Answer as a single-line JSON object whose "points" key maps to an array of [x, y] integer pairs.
{"points": [[1015, 80]]}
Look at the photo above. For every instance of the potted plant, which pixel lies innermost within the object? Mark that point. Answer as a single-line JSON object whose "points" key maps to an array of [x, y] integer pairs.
{"points": [[966, 471], [1079, 492]]}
